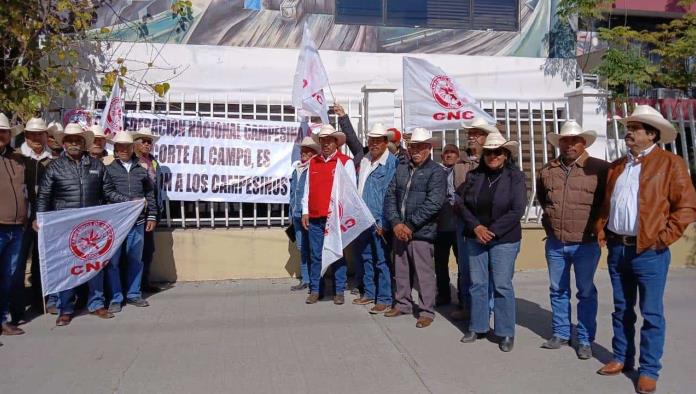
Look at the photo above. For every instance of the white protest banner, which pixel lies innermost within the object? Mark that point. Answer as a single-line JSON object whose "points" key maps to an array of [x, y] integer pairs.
{"points": [[310, 79], [75, 244], [348, 217], [112, 115], [434, 100], [221, 159]]}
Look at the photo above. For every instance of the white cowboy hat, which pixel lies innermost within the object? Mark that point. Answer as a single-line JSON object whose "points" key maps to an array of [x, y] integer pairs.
{"points": [[572, 128], [5, 125], [327, 130], [496, 140], [54, 128], [76, 129], [380, 130], [308, 142], [419, 134], [122, 137], [145, 132], [481, 124], [36, 125], [653, 117], [97, 130]]}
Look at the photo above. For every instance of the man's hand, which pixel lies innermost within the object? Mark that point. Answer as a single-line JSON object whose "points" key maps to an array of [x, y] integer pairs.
{"points": [[150, 225], [35, 226], [402, 232], [338, 110], [379, 231], [483, 235], [305, 222]]}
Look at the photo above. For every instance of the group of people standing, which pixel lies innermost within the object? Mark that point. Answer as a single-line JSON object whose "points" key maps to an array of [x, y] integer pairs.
{"points": [[473, 202], [58, 168]]}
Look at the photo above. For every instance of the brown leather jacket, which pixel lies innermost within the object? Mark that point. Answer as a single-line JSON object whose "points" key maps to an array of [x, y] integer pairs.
{"points": [[13, 190], [571, 202], [666, 200]]}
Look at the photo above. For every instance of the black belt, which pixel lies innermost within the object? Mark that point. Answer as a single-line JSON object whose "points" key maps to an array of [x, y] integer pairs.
{"points": [[627, 240]]}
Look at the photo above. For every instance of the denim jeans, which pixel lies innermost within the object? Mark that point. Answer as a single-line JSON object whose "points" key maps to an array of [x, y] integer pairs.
{"points": [[583, 257], [463, 274], [316, 245], [302, 243], [376, 279], [496, 262], [95, 296], [133, 246], [633, 275], [10, 251]]}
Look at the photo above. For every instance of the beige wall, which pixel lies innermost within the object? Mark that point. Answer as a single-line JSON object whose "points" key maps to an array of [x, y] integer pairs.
{"points": [[191, 255]]}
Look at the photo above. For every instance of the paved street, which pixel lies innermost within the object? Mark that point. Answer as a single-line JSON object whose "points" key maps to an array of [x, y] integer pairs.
{"points": [[254, 336]]}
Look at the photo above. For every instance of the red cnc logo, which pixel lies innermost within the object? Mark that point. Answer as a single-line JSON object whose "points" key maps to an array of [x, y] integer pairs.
{"points": [[91, 239], [445, 93]]}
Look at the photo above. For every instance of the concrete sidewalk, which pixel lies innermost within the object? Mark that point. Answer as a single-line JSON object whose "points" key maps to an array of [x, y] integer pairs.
{"points": [[255, 336]]}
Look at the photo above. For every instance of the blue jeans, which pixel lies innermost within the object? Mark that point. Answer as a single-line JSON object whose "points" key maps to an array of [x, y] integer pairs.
{"points": [[302, 243], [632, 275], [316, 244], [10, 251], [463, 275], [584, 258], [495, 262], [133, 246], [373, 258], [95, 296]]}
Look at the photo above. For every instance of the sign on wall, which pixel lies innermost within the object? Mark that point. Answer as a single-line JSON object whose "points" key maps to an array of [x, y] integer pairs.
{"points": [[219, 159]]}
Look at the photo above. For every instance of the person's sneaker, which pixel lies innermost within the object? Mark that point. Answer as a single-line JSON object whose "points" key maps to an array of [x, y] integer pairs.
{"points": [[506, 344], [362, 301], [584, 351], [11, 329], [63, 320], [312, 298], [115, 307], [53, 310], [139, 302], [554, 343], [299, 286], [339, 299], [424, 321], [379, 308], [393, 312], [355, 291], [102, 313], [470, 336]]}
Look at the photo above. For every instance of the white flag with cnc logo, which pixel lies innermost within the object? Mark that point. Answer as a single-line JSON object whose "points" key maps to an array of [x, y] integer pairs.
{"points": [[348, 217], [112, 115], [76, 244], [434, 100], [310, 80]]}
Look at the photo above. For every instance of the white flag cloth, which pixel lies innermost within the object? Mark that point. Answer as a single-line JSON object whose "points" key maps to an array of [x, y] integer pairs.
{"points": [[75, 244], [348, 217], [434, 100], [310, 80], [112, 115]]}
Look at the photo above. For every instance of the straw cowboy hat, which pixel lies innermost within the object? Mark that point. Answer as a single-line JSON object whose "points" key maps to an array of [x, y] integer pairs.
{"points": [[481, 124], [308, 142], [380, 130], [496, 140], [97, 130], [572, 128], [653, 117], [76, 129], [54, 128], [145, 132], [122, 137], [327, 130], [5, 125], [36, 125], [419, 134]]}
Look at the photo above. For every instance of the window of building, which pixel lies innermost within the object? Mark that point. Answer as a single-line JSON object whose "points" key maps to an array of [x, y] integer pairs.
{"points": [[499, 15]]}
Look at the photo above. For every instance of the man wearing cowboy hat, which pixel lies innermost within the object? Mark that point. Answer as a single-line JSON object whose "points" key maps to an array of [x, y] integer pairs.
{"points": [[569, 190], [308, 149], [98, 151], [377, 169], [315, 207], [54, 128], [77, 180], [476, 132], [143, 143], [648, 202], [13, 217], [130, 179], [413, 201]]}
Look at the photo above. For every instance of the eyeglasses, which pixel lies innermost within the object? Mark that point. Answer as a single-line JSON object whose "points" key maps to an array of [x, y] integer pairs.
{"points": [[145, 141], [494, 152]]}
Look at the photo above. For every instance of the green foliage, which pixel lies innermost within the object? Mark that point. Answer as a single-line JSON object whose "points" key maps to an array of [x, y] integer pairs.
{"points": [[589, 9]]}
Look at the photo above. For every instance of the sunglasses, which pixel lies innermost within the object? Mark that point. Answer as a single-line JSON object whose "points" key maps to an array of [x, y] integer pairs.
{"points": [[494, 152]]}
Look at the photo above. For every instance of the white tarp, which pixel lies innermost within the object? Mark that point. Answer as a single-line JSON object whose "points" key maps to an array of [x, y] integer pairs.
{"points": [[348, 217], [221, 159], [434, 100], [75, 244]]}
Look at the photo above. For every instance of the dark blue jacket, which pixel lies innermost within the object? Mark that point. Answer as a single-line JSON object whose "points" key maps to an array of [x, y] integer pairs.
{"points": [[509, 204]]}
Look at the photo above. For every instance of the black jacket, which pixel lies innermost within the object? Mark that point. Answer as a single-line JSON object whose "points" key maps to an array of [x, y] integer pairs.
{"points": [[67, 184], [352, 140], [509, 204], [135, 183], [423, 198]]}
